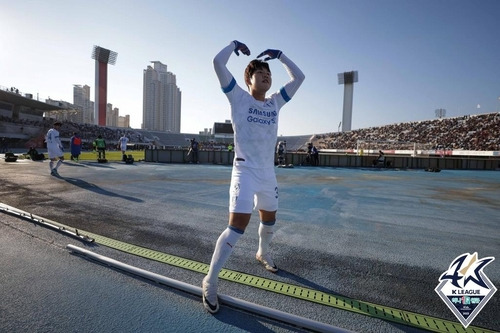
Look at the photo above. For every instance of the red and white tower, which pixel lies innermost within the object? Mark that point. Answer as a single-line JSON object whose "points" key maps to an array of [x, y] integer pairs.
{"points": [[102, 57]]}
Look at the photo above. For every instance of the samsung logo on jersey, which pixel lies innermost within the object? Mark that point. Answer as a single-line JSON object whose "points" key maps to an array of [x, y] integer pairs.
{"points": [[257, 112], [252, 119]]}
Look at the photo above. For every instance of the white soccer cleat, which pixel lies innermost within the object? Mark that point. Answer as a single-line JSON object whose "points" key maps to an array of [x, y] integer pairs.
{"points": [[267, 261], [209, 295]]}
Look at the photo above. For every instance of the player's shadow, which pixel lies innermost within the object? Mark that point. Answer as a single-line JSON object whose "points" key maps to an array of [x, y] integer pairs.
{"points": [[100, 165], [248, 322], [305, 282], [96, 189], [75, 164]]}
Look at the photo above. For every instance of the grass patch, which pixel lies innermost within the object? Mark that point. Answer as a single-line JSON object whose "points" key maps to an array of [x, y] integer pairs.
{"points": [[111, 156]]}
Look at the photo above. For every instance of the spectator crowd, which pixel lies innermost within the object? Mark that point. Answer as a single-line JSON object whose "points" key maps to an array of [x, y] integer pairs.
{"points": [[473, 132]]}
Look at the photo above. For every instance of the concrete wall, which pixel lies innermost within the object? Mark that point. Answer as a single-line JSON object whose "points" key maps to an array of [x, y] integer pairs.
{"points": [[335, 160]]}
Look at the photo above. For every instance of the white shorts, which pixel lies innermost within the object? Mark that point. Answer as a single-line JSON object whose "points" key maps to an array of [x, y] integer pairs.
{"points": [[253, 188], [54, 151]]}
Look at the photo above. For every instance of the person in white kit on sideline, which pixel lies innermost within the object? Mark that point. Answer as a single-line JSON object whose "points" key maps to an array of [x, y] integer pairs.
{"points": [[254, 119], [123, 144], [54, 148]]}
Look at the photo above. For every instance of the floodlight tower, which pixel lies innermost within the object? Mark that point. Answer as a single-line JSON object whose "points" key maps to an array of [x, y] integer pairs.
{"points": [[347, 79], [440, 113], [102, 57]]}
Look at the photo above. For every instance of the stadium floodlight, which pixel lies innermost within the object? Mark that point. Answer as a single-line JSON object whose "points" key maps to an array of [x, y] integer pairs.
{"points": [[347, 79], [440, 113], [101, 54], [102, 58]]}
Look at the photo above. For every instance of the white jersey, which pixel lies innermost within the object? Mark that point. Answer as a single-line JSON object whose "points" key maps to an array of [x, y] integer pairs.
{"points": [[123, 143], [54, 145], [255, 123]]}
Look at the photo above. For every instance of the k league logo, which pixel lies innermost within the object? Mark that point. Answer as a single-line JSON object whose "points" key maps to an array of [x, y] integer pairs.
{"points": [[465, 288]]}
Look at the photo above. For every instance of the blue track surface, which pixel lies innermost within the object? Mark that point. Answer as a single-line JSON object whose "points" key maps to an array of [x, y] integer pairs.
{"points": [[381, 236]]}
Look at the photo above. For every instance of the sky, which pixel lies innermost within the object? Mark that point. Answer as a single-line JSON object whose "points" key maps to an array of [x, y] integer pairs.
{"points": [[412, 56]]}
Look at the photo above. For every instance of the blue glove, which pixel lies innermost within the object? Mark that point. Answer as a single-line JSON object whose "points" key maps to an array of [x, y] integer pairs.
{"points": [[241, 47], [272, 54]]}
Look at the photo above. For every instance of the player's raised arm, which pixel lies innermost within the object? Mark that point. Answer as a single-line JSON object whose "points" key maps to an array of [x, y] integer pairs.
{"points": [[221, 59], [296, 75]]}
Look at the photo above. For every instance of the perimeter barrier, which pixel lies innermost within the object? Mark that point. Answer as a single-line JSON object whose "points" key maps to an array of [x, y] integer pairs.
{"points": [[340, 160]]}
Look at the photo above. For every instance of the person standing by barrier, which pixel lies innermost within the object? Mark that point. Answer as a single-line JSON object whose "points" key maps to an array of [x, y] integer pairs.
{"points": [[76, 146], [3, 145], [194, 151], [100, 144], [254, 119], [380, 159], [280, 150], [55, 148], [314, 155]]}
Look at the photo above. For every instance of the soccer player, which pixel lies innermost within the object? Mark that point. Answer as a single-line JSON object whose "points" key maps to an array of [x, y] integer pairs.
{"points": [[123, 144], [254, 119], [54, 148]]}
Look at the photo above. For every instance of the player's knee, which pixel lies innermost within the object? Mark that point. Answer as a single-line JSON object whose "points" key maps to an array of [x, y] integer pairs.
{"points": [[267, 215]]}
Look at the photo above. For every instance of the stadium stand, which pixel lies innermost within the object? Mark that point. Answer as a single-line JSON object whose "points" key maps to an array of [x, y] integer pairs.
{"points": [[296, 143], [473, 132], [171, 140]]}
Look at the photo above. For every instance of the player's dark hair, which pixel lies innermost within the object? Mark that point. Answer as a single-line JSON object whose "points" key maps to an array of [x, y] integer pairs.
{"points": [[253, 66]]}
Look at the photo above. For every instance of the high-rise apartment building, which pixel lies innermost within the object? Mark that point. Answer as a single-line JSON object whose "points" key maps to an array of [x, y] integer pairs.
{"points": [[161, 100], [81, 101], [112, 115], [124, 121]]}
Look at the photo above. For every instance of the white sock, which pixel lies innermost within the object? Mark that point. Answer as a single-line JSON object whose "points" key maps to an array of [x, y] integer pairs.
{"points": [[51, 165], [58, 164], [227, 240], [265, 236]]}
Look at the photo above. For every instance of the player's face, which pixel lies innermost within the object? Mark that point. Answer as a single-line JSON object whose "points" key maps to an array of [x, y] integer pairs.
{"points": [[261, 80]]}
